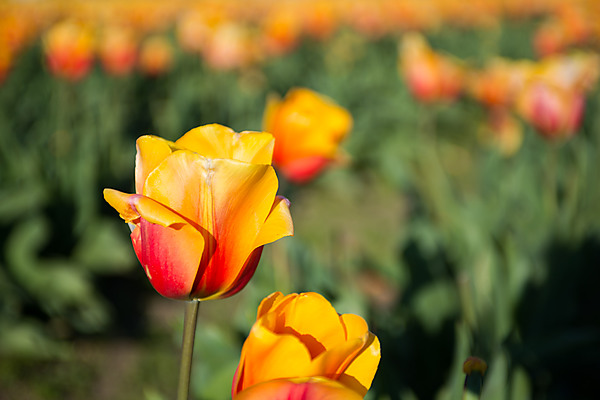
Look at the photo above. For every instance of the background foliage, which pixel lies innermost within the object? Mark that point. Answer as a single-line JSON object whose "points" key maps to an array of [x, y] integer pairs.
{"points": [[447, 247]]}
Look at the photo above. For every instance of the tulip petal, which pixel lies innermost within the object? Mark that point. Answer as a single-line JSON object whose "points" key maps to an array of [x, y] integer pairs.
{"points": [[170, 256], [313, 388], [336, 360], [151, 151], [299, 319], [281, 356], [218, 141], [181, 182], [133, 206], [360, 373], [243, 195], [212, 141], [254, 147], [278, 223], [354, 325]]}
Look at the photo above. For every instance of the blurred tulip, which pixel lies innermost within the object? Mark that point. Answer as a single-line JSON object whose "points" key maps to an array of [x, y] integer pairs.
{"points": [[195, 26], [575, 71], [204, 207], [320, 19], [69, 48], [499, 83], [553, 111], [429, 75], [503, 131], [229, 46], [280, 30], [117, 50], [6, 60], [302, 336], [156, 55], [308, 129], [299, 389]]}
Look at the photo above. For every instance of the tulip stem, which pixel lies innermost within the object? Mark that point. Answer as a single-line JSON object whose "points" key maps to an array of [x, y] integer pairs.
{"points": [[187, 348]]}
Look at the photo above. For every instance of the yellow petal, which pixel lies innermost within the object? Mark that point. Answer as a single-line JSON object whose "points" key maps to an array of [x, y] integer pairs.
{"points": [[243, 195], [218, 141], [278, 224], [355, 326], [267, 356], [133, 206], [211, 141], [300, 317], [335, 361], [267, 303], [181, 182], [151, 151], [254, 147], [360, 373]]}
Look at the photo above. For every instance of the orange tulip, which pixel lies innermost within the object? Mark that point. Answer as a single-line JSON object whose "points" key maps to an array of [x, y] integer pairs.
{"points": [[156, 55], [204, 207], [430, 76], [554, 111], [69, 48], [299, 389], [302, 336], [308, 129], [117, 50]]}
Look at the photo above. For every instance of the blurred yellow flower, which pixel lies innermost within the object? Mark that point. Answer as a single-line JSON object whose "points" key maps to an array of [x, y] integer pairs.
{"points": [[308, 128]]}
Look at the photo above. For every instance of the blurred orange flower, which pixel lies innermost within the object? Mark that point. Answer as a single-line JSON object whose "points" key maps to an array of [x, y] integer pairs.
{"points": [[299, 389], [117, 50], [156, 55], [430, 76], [308, 129], [302, 336], [499, 83], [503, 131], [554, 111], [204, 207], [229, 45], [69, 48]]}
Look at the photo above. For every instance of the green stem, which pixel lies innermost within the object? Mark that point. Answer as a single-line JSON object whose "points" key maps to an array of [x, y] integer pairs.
{"points": [[187, 348]]}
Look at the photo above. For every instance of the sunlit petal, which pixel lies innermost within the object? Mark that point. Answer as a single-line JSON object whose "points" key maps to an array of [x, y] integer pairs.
{"points": [[151, 151]]}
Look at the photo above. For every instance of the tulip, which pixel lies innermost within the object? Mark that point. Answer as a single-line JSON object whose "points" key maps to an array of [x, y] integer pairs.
{"points": [[118, 50], [554, 111], [299, 389], [499, 83], [302, 336], [204, 207], [308, 129], [69, 48], [156, 56], [430, 76]]}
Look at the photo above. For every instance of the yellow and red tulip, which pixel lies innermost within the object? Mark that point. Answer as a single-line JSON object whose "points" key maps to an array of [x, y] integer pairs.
{"points": [[308, 128], [554, 111], [69, 48], [302, 336], [156, 55], [299, 389], [117, 50], [430, 76], [204, 207]]}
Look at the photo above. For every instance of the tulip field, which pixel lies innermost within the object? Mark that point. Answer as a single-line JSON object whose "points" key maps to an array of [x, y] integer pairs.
{"points": [[381, 200]]}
